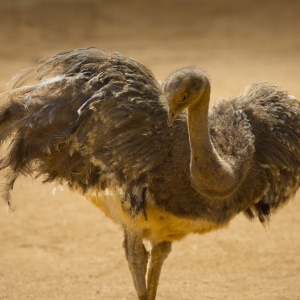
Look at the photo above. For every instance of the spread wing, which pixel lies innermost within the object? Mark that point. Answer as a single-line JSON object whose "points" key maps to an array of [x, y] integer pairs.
{"points": [[86, 117]]}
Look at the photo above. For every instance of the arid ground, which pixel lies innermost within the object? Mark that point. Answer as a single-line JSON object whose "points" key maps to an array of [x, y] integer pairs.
{"points": [[62, 247]]}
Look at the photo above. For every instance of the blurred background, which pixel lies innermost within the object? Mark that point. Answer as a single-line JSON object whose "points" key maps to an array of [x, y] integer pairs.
{"points": [[62, 247]]}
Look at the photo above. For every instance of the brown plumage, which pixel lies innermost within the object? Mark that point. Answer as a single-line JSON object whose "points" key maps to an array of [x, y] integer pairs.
{"points": [[98, 122]]}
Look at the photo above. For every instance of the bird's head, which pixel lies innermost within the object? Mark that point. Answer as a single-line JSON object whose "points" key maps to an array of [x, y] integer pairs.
{"points": [[182, 89]]}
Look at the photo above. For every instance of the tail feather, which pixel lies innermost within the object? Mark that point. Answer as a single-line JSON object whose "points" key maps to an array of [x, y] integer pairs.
{"points": [[34, 120]]}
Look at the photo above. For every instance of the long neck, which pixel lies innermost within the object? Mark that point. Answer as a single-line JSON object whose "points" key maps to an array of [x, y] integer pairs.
{"points": [[210, 174]]}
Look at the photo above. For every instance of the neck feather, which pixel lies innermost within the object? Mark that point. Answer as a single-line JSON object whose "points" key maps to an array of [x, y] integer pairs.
{"points": [[210, 174]]}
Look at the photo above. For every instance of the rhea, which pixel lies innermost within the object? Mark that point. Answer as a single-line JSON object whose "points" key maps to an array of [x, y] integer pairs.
{"points": [[154, 159]]}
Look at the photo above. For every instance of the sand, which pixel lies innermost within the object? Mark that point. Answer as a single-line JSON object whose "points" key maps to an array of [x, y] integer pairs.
{"points": [[62, 247]]}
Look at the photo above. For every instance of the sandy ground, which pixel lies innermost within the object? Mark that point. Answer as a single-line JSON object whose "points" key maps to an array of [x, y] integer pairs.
{"points": [[62, 247]]}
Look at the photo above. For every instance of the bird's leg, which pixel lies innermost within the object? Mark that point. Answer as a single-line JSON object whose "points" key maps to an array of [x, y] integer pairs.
{"points": [[158, 253], [137, 257]]}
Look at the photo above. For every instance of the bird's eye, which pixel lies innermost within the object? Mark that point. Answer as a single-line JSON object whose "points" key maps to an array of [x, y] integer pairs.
{"points": [[182, 99]]}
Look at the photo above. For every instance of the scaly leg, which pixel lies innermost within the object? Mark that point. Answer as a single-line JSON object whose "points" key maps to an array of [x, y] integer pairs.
{"points": [[158, 253], [137, 257]]}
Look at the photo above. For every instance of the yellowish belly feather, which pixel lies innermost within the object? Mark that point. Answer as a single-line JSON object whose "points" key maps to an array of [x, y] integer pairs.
{"points": [[159, 226]]}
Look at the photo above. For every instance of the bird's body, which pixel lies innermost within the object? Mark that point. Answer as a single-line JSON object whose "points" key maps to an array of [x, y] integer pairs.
{"points": [[97, 122]]}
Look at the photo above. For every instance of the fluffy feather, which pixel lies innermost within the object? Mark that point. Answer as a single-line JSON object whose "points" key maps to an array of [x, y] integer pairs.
{"points": [[95, 120]]}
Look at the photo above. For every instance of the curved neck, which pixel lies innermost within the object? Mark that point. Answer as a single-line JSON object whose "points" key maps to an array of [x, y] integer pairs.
{"points": [[210, 174]]}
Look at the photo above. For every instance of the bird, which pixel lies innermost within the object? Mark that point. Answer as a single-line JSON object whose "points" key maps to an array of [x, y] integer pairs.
{"points": [[153, 157]]}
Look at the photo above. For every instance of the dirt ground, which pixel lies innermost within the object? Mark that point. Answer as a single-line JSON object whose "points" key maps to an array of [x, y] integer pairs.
{"points": [[62, 247]]}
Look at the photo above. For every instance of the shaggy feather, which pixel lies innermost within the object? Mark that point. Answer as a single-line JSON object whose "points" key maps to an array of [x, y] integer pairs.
{"points": [[96, 120]]}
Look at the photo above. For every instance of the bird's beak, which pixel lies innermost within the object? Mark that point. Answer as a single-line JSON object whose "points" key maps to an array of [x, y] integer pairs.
{"points": [[171, 117]]}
